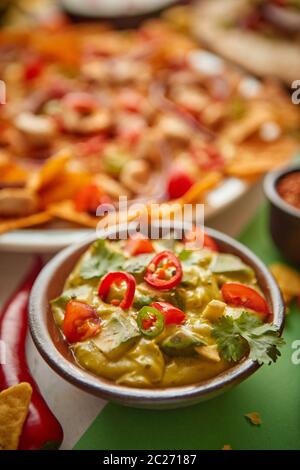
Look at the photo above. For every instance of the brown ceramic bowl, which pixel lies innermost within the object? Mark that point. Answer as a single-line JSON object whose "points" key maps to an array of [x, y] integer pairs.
{"points": [[284, 219], [55, 351]]}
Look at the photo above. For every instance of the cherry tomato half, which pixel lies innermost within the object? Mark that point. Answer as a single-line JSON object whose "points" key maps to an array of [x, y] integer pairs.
{"points": [[240, 295], [179, 183], [81, 321], [118, 277], [138, 244], [164, 271], [173, 315]]}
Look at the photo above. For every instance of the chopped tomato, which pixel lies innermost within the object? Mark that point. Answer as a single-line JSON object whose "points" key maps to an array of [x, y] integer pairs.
{"points": [[197, 238], [81, 321], [172, 315], [89, 198], [179, 183], [240, 295], [33, 67], [138, 244]]}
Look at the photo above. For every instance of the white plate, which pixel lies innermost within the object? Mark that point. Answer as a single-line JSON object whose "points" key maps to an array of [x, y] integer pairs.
{"points": [[53, 240], [113, 8]]}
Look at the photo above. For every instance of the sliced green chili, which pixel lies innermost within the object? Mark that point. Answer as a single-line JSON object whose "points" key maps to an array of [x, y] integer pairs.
{"points": [[150, 321]]}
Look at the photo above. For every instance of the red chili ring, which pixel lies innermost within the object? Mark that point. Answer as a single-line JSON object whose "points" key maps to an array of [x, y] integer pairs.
{"points": [[154, 281], [118, 276]]}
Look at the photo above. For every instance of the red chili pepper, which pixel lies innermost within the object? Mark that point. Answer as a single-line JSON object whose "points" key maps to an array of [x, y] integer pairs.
{"points": [[81, 321], [89, 198], [41, 429], [160, 279], [239, 295], [138, 244], [179, 183], [118, 277], [173, 315], [197, 238]]}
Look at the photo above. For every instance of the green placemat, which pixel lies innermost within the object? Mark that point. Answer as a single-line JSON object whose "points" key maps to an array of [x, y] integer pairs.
{"points": [[273, 391]]}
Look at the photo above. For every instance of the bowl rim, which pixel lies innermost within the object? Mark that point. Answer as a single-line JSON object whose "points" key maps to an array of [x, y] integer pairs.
{"points": [[270, 190], [144, 396]]}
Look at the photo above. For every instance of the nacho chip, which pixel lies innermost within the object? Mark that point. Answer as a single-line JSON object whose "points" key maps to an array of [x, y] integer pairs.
{"points": [[14, 406], [254, 418], [6, 225], [50, 171], [227, 447], [64, 187], [65, 210], [288, 280], [199, 189], [253, 159]]}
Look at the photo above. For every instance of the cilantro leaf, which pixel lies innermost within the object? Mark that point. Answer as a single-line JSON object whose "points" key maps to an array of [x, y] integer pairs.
{"points": [[138, 264], [247, 333], [231, 345], [100, 260]]}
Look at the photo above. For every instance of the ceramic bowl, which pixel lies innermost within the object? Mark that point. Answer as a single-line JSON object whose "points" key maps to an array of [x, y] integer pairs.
{"points": [[284, 219], [54, 350]]}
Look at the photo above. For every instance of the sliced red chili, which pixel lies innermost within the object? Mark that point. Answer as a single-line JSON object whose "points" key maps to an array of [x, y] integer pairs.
{"points": [[89, 198], [81, 321], [240, 295], [118, 278], [138, 244], [164, 271], [197, 238], [172, 315]]}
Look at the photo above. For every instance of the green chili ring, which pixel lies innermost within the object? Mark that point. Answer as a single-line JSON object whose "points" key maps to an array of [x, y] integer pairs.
{"points": [[150, 321]]}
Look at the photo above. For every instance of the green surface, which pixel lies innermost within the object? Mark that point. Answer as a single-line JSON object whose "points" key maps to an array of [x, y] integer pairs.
{"points": [[273, 391]]}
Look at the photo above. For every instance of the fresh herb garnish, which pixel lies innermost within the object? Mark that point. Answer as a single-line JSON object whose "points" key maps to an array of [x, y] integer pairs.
{"points": [[247, 334], [138, 264], [101, 260]]}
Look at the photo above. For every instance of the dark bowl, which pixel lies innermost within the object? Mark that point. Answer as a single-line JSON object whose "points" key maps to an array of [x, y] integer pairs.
{"points": [[284, 219], [55, 351]]}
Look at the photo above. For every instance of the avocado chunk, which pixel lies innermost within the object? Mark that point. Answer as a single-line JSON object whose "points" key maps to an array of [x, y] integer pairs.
{"points": [[182, 343], [117, 335], [231, 266]]}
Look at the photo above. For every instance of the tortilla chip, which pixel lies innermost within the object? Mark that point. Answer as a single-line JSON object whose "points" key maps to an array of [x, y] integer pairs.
{"points": [[6, 225], [50, 171], [65, 187], [288, 280], [256, 158], [199, 189], [254, 418], [65, 210], [14, 406], [227, 447]]}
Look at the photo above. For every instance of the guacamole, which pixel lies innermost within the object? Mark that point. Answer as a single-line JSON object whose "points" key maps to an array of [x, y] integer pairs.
{"points": [[147, 313]]}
